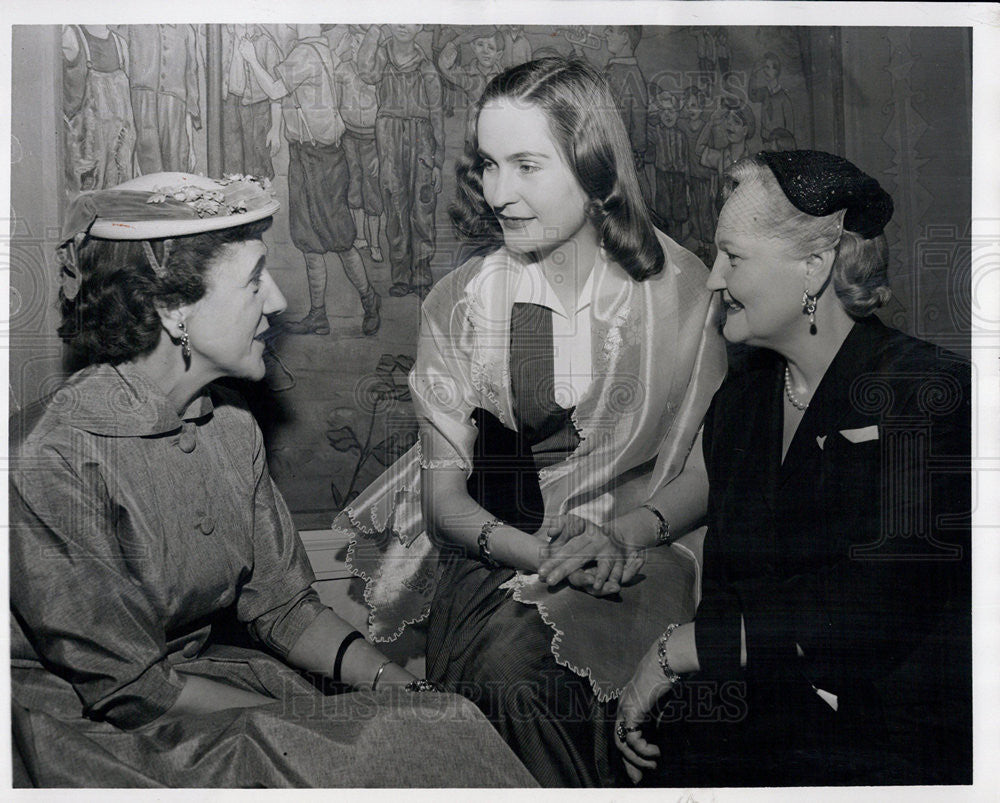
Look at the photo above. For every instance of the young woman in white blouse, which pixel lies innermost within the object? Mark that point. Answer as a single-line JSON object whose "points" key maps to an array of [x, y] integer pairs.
{"points": [[560, 382]]}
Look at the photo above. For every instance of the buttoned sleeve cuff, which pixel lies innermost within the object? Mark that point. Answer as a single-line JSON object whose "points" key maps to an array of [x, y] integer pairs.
{"points": [[142, 700], [717, 635], [280, 628]]}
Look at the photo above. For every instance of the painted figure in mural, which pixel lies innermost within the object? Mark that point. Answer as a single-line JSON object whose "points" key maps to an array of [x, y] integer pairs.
{"points": [[777, 117], [516, 47], [320, 219], [163, 75], [440, 36], [693, 119], [358, 105], [97, 108], [628, 87], [738, 126], [409, 134], [251, 121], [723, 54], [671, 163], [143, 517], [707, 50], [487, 47], [527, 362]]}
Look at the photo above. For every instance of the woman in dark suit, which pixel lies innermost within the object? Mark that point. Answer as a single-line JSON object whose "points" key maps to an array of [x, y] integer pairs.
{"points": [[832, 641]]}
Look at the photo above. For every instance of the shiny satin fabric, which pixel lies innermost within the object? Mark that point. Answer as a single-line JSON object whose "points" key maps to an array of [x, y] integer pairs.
{"points": [[388, 738], [658, 358]]}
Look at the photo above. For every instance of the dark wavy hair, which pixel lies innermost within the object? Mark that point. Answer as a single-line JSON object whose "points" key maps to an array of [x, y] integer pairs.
{"points": [[113, 317], [586, 125]]}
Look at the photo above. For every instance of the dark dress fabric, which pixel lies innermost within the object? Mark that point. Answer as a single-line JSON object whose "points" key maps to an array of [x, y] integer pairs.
{"points": [[856, 549], [504, 478], [481, 642]]}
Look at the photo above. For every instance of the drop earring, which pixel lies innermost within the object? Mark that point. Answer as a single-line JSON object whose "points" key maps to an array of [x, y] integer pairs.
{"points": [[809, 308], [185, 341]]}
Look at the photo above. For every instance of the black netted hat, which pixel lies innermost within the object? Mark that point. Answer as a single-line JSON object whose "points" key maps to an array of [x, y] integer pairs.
{"points": [[820, 184]]}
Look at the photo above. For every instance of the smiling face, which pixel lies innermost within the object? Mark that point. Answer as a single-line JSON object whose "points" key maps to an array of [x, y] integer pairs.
{"points": [[527, 181], [759, 275], [226, 323]]}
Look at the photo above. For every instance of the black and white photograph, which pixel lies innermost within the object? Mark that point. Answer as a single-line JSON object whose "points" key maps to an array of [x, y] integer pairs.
{"points": [[509, 396]]}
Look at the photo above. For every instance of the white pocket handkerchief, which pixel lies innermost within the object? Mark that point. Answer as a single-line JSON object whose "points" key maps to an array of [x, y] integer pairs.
{"points": [[861, 434]]}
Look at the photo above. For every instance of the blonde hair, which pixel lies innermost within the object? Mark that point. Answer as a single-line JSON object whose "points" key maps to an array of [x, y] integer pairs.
{"points": [[861, 266]]}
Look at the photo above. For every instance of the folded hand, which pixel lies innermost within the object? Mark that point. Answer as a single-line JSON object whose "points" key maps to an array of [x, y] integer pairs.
{"points": [[587, 557]]}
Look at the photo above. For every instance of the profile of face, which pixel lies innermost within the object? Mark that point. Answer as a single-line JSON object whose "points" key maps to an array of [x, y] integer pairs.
{"points": [[527, 181], [405, 33], [758, 274], [486, 51], [617, 40], [226, 324]]}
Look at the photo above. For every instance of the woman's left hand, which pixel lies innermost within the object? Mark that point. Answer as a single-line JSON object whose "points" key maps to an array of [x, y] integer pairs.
{"points": [[587, 543], [648, 684]]}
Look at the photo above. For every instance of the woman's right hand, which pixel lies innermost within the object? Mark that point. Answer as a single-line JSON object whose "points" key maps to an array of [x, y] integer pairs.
{"points": [[647, 685]]}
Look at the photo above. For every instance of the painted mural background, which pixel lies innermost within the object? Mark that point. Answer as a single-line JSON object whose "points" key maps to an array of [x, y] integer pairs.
{"points": [[380, 111]]}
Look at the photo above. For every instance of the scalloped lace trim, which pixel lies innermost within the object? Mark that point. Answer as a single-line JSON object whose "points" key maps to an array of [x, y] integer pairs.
{"points": [[366, 531], [372, 608], [517, 585], [455, 462]]}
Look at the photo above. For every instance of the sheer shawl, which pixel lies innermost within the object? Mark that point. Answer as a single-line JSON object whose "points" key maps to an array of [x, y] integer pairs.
{"points": [[658, 358]]}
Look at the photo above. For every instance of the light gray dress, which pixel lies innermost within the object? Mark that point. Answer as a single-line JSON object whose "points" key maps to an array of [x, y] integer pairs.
{"points": [[133, 531]]}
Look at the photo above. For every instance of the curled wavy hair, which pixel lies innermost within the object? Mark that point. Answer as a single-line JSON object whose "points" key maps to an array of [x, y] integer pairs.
{"points": [[587, 127], [113, 317], [860, 272]]}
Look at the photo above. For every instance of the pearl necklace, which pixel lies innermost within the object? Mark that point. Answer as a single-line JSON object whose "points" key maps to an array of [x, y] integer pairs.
{"points": [[798, 405]]}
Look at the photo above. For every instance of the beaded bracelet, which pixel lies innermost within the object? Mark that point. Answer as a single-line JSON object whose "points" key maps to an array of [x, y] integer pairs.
{"points": [[421, 685], [661, 654], [484, 542]]}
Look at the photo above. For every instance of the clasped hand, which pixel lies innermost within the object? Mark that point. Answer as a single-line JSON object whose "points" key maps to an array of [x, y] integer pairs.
{"points": [[587, 557], [647, 685]]}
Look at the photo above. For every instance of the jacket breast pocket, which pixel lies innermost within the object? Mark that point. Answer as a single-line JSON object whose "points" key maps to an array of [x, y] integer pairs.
{"points": [[852, 481]]}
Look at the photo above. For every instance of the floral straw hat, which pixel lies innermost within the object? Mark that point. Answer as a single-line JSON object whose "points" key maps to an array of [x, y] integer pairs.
{"points": [[158, 206]]}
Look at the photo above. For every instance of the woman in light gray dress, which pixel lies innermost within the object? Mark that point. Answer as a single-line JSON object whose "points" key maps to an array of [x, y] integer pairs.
{"points": [[143, 521]]}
